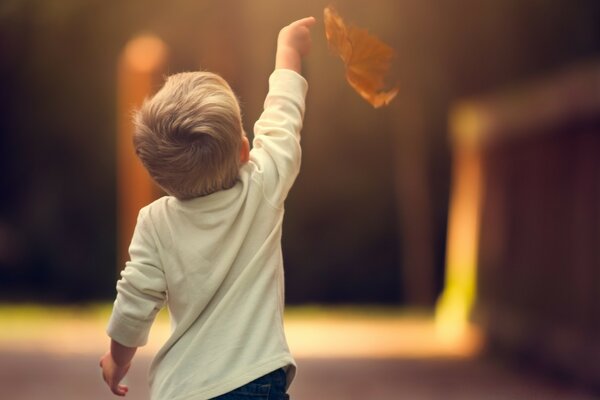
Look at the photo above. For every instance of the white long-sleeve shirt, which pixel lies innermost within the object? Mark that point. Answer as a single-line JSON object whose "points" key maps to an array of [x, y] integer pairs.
{"points": [[217, 263]]}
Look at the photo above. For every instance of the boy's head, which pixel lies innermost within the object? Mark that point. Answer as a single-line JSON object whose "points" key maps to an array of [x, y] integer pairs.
{"points": [[189, 135]]}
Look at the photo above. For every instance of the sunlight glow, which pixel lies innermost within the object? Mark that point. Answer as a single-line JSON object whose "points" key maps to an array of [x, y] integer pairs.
{"points": [[326, 333]]}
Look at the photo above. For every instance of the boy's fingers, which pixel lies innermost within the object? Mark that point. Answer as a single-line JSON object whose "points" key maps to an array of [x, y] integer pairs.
{"points": [[123, 389], [308, 21], [120, 390]]}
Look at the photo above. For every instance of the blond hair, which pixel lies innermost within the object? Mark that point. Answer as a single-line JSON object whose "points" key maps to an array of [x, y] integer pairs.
{"points": [[189, 135]]}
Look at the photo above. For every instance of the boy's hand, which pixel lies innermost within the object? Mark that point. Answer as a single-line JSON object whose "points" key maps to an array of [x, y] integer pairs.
{"points": [[294, 43], [113, 374]]}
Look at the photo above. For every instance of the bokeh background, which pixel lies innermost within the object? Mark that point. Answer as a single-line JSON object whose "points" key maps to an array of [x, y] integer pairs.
{"points": [[368, 213], [367, 219]]}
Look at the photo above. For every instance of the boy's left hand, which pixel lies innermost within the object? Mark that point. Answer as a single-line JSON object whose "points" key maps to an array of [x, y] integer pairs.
{"points": [[113, 374]]}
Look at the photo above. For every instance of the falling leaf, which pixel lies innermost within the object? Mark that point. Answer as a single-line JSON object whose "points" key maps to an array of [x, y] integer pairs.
{"points": [[367, 59]]}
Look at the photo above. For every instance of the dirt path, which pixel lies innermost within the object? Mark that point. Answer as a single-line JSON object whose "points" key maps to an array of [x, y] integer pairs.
{"points": [[50, 355], [51, 376]]}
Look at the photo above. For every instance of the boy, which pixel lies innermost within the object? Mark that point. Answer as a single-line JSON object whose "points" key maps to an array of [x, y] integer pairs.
{"points": [[212, 249]]}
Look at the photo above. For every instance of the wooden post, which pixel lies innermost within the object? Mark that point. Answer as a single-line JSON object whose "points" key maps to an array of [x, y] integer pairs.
{"points": [[140, 67], [536, 241], [457, 299]]}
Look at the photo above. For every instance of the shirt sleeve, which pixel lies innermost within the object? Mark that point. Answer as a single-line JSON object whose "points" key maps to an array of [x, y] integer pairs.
{"points": [[276, 146], [141, 291]]}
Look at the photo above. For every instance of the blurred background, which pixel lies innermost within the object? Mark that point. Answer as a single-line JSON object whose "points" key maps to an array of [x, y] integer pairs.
{"points": [[371, 202], [368, 221]]}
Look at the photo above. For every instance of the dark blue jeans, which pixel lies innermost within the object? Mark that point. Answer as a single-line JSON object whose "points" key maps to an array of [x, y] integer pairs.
{"points": [[268, 387]]}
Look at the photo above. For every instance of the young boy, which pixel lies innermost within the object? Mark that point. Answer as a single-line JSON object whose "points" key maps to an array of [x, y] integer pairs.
{"points": [[212, 249]]}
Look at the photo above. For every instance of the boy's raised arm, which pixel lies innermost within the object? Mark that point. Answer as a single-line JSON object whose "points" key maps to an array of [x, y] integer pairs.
{"points": [[293, 43]]}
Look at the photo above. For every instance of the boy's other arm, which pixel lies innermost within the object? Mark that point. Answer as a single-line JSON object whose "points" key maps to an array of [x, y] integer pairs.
{"points": [[115, 365], [141, 292], [293, 43]]}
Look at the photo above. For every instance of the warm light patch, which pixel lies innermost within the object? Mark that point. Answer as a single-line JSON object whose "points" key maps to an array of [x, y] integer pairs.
{"points": [[325, 333], [145, 53], [141, 66]]}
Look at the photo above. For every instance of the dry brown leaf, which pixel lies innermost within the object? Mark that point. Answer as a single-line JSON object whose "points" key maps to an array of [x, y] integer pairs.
{"points": [[367, 59]]}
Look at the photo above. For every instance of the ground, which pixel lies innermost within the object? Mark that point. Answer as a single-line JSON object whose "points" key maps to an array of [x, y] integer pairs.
{"points": [[53, 355]]}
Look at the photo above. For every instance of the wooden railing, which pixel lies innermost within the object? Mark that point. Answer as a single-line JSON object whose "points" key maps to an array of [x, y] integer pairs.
{"points": [[524, 224]]}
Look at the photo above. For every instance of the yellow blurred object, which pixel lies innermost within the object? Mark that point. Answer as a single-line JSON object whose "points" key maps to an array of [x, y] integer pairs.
{"points": [[456, 303]]}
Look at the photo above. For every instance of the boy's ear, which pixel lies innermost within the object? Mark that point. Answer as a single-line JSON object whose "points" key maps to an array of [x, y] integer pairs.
{"points": [[245, 150]]}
